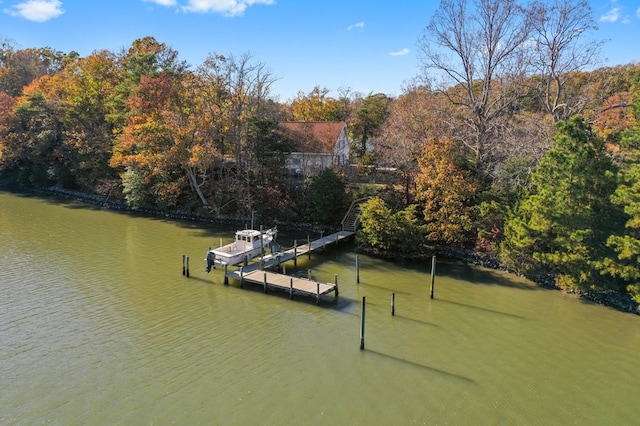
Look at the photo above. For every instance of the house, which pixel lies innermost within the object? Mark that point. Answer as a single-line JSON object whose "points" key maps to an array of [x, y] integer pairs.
{"points": [[316, 145]]}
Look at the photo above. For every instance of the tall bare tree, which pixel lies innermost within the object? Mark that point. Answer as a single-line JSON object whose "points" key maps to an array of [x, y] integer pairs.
{"points": [[473, 53], [561, 50]]}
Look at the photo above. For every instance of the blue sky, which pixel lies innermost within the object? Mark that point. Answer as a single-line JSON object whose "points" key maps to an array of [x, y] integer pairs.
{"points": [[367, 46]]}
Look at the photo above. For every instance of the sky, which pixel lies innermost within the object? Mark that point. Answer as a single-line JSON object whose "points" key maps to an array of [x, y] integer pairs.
{"points": [[365, 46]]}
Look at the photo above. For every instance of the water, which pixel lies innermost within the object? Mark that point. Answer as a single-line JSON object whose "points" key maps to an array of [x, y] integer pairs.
{"points": [[98, 326]]}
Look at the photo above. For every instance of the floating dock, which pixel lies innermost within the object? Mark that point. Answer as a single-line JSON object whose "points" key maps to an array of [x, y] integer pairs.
{"points": [[256, 272]]}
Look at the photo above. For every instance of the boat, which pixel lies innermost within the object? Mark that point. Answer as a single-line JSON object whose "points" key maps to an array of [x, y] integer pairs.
{"points": [[248, 244]]}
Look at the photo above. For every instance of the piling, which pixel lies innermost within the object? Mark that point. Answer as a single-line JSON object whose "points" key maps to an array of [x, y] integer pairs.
{"points": [[393, 304], [265, 282], [357, 269], [362, 323], [291, 288], [241, 276], [335, 281], [309, 246], [187, 266], [295, 252], [308, 274], [433, 275], [317, 293], [226, 277], [184, 269]]}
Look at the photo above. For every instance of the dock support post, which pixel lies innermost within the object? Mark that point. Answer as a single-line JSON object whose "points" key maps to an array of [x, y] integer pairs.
{"points": [[308, 274], [309, 246], [187, 266], [362, 323], [357, 269], [335, 280], [295, 253], [265, 283], [433, 275], [241, 276], [324, 243], [184, 269], [220, 242], [317, 292], [226, 277], [291, 288], [393, 304]]}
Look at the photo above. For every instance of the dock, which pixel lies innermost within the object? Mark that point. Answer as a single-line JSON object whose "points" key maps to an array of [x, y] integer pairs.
{"points": [[256, 272]]}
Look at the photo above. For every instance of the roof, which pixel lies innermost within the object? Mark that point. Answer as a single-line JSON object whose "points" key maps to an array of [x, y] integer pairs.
{"points": [[312, 136]]}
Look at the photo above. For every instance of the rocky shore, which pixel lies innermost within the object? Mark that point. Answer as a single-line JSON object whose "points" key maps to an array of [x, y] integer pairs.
{"points": [[615, 300]]}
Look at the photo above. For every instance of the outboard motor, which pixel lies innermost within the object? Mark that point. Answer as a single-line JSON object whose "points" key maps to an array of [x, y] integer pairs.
{"points": [[211, 261]]}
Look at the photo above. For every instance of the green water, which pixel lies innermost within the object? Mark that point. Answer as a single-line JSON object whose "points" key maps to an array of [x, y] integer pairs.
{"points": [[98, 326]]}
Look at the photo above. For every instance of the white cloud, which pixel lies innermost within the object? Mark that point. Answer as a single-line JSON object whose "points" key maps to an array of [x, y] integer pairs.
{"points": [[611, 16], [402, 52], [357, 25], [226, 7], [167, 3], [37, 10]]}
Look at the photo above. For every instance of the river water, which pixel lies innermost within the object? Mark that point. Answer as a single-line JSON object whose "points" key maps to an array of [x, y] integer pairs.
{"points": [[99, 326]]}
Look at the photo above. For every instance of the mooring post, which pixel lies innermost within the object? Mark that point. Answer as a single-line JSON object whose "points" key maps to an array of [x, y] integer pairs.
{"points": [[309, 246], [241, 276], [226, 277], [187, 266], [393, 304], [220, 242], [184, 270], [317, 292], [362, 323], [322, 239], [308, 274], [335, 280], [295, 253], [284, 269], [433, 275], [291, 288], [265, 282], [357, 269]]}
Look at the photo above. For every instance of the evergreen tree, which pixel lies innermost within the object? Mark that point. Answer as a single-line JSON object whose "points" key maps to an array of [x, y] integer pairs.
{"points": [[562, 223]]}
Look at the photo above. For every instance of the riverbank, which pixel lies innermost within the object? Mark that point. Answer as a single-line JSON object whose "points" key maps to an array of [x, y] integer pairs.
{"points": [[614, 300]]}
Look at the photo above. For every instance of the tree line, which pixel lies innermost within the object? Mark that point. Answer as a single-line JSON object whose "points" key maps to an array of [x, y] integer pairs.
{"points": [[510, 140]]}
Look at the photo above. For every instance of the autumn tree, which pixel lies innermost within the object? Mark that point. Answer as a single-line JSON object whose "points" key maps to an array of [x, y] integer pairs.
{"points": [[317, 106], [445, 186]]}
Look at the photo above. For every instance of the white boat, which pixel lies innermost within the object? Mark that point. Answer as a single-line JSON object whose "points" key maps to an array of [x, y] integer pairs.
{"points": [[248, 244]]}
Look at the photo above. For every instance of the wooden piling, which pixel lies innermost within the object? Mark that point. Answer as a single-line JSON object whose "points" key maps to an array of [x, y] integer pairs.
{"points": [[187, 266], [184, 269], [265, 282], [226, 277], [362, 323], [308, 274], [241, 276], [335, 281], [317, 293], [309, 246], [393, 304], [433, 275], [291, 288], [357, 269], [295, 252]]}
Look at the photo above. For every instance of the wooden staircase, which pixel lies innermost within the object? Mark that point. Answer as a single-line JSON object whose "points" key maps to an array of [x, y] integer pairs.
{"points": [[352, 218]]}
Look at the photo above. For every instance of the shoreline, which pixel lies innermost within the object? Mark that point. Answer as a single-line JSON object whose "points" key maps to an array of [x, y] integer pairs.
{"points": [[615, 300]]}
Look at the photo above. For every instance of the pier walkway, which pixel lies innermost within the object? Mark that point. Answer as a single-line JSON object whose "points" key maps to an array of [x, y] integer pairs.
{"points": [[255, 272]]}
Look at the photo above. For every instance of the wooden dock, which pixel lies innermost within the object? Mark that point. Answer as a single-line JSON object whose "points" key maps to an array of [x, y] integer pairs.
{"points": [[256, 272]]}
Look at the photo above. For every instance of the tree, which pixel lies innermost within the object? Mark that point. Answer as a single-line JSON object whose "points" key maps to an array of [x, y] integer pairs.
{"points": [[317, 106], [561, 224], [477, 53], [560, 51], [445, 187], [384, 232], [368, 121], [326, 198]]}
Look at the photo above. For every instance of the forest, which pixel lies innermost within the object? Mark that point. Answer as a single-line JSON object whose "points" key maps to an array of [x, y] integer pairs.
{"points": [[511, 141]]}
